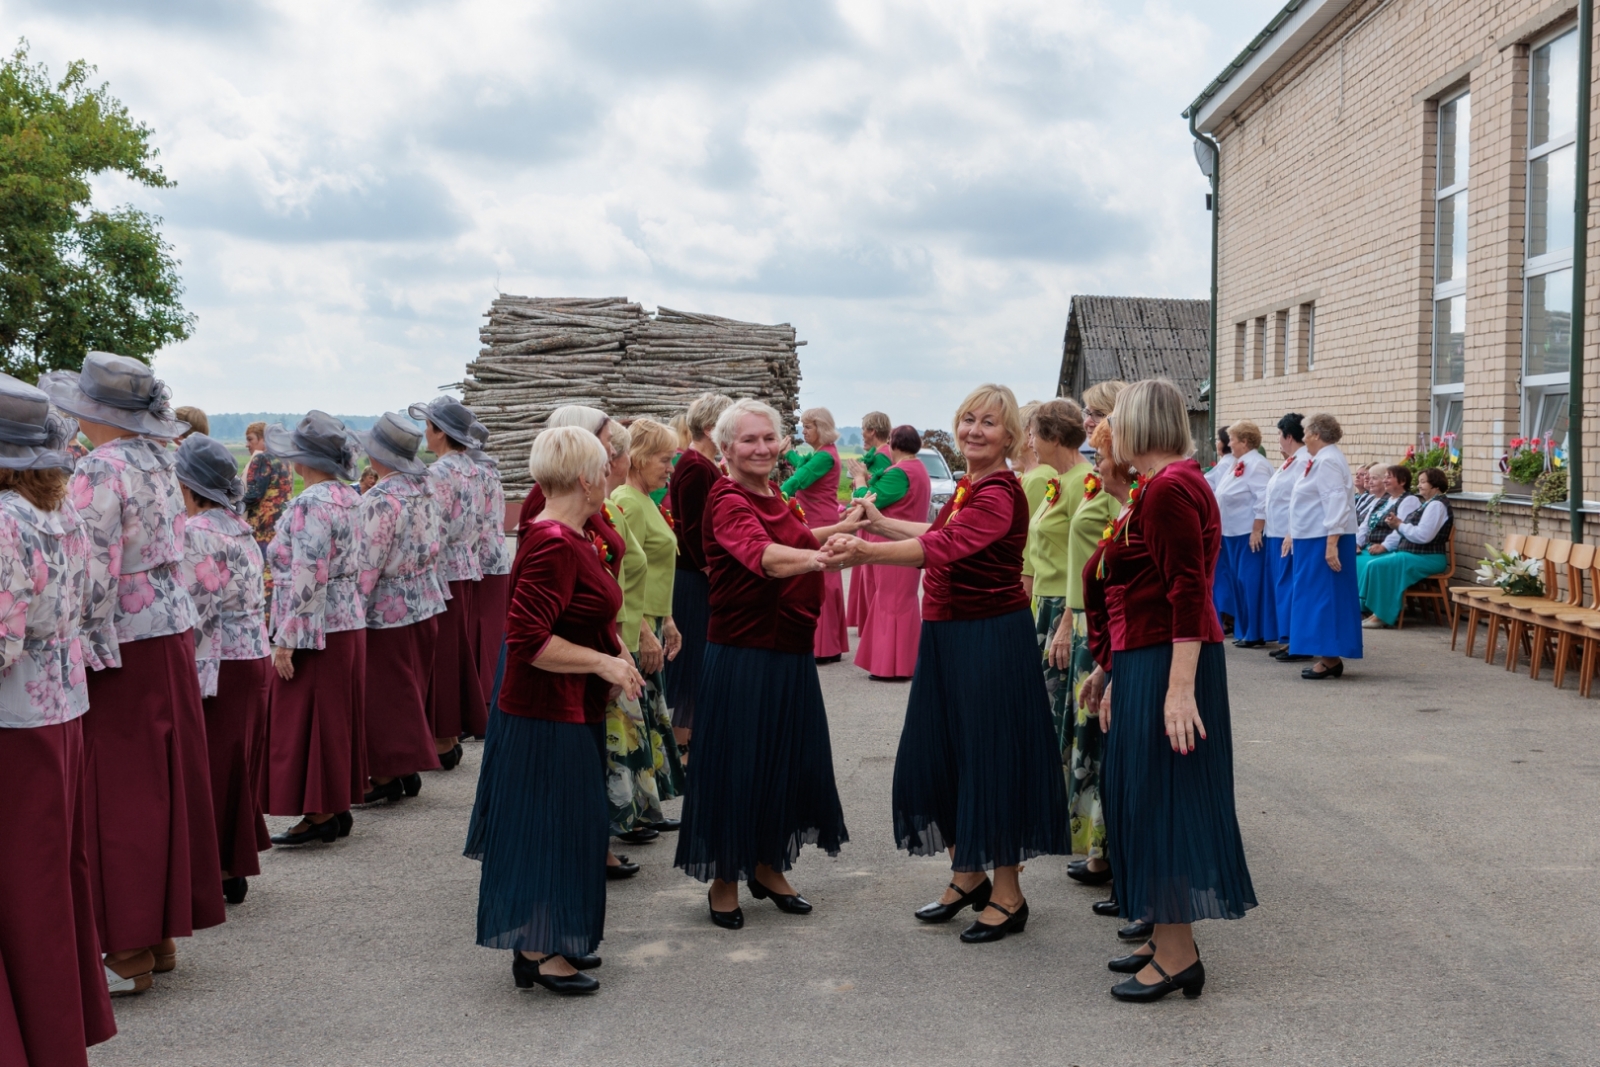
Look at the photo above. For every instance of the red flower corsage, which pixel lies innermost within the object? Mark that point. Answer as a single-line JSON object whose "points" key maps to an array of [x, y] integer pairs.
{"points": [[1238, 470], [794, 508], [1052, 491], [957, 502], [1307, 474], [666, 515], [1091, 487]]}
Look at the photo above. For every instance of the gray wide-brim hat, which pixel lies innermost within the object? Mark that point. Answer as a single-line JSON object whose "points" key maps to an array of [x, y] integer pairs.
{"points": [[453, 418], [115, 391], [209, 470], [480, 438], [33, 436], [393, 441], [320, 441]]}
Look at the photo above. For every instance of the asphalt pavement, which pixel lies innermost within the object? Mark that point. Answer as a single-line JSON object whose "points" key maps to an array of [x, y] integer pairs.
{"points": [[1422, 836]]}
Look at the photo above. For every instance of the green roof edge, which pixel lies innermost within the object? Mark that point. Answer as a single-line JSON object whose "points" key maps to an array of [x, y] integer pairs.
{"points": [[1244, 57]]}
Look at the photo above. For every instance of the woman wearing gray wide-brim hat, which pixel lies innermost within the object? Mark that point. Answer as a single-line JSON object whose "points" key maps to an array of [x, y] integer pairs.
{"points": [[494, 560], [455, 696], [154, 845], [222, 568], [316, 705], [48, 951], [400, 536]]}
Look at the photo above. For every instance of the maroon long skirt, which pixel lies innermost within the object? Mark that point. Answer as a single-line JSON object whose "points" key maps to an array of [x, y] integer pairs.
{"points": [[455, 699], [147, 784], [233, 722], [493, 599], [316, 748], [399, 739], [53, 1001]]}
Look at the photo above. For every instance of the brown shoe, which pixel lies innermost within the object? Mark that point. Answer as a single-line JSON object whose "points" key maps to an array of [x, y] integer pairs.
{"points": [[130, 975], [166, 955]]}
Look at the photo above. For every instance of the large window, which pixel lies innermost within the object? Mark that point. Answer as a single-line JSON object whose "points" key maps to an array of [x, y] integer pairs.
{"points": [[1547, 287], [1450, 261]]}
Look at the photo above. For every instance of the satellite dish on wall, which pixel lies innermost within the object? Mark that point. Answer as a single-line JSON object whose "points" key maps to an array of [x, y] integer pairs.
{"points": [[1206, 156]]}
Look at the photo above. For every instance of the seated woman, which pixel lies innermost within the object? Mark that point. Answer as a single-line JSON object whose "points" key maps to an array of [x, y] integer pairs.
{"points": [[1411, 552], [1397, 499]]}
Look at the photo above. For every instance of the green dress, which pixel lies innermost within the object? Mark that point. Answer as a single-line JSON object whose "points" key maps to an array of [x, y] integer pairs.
{"points": [[1082, 757]]}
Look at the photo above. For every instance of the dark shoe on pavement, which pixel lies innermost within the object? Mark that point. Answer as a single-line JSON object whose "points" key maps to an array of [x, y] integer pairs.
{"points": [[976, 898], [1108, 908], [639, 836], [1136, 932], [526, 974], [981, 932], [623, 868], [1192, 980], [1088, 877]]}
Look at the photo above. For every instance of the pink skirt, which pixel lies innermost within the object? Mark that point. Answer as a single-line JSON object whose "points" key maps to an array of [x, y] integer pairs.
{"points": [[399, 739], [316, 755], [888, 646], [833, 633], [860, 591], [53, 1001], [233, 723], [153, 858], [493, 599], [455, 699]]}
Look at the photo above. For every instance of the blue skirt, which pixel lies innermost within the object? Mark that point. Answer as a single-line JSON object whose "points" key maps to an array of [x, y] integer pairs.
{"points": [[691, 612], [1222, 586], [1179, 856], [761, 782], [1280, 574], [1326, 610], [979, 766], [1248, 571], [539, 825]]}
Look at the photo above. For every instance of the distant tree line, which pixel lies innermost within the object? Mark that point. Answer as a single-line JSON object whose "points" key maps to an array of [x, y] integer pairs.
{"points": [[230, 426]]}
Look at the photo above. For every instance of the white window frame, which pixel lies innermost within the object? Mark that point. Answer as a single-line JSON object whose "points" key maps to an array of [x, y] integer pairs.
{"points": [[1448, 394]]}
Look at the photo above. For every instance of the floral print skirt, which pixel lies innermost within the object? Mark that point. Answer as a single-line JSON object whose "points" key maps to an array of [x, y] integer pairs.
{"points": [[1086, 815], [1047, 614], [643, 765]]}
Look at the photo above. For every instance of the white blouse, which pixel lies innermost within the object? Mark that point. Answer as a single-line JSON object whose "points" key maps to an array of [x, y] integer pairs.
{"points": [[1405, 509], [1322, 503], [1242, 493], [1279, 486], [1425, 529]]}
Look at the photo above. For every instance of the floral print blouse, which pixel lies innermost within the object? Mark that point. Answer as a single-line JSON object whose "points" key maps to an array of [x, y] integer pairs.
{"points": [[400, 542], [222, 567], [268, 485], [493, 555], [316, 559], [44, 586], [132, 509], [458, 491]]}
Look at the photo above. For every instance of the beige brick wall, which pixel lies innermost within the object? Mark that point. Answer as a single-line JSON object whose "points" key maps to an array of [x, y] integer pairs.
{"points": [[1327, 179]]}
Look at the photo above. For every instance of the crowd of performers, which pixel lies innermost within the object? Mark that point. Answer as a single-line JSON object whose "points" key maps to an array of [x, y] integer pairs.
{"points": [[666, 592]]}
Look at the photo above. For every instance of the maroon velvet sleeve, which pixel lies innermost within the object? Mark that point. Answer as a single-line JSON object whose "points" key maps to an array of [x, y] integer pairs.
{"points": [[545, 580], [1097, 619], [691, 481], [1173, 534], [739, 531], [986, 518]]}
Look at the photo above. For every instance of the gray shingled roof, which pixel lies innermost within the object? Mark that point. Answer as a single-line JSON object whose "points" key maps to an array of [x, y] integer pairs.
{"points": [[1134, 337]]}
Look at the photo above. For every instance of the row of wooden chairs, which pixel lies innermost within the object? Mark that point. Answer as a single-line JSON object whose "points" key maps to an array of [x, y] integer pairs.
{"points": [[1532, 623]]}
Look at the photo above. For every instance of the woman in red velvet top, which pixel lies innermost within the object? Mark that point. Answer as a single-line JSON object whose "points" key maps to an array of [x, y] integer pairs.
{"points": [[540, 822], [979, 770], [762, 783], [1167, 779]]}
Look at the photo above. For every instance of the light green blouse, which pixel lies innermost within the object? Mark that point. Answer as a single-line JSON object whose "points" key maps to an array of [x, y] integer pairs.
{"points": [[1047, 533], [649, 527], [1033, 487], [1089, 522]]}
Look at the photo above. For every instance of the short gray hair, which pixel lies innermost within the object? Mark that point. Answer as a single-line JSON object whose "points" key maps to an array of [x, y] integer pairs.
{"points": [[1150, 417], [1326, 427], [822, 419], [563, 455], [621, 439], [704, 412], [580, 415], [728, 421]]}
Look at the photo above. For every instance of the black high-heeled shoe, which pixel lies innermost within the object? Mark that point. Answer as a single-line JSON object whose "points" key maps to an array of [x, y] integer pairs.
{"points": [[1311, 672], [234, 890], [1136, 931], [391, 790], [345, 821], [793, 903], [728, 920], [411, 784], [1192, 980], [1108, 908], [1133, 962], [976, 898], [526, 974], [1085, 876], [448, 761], [326, 832], [980, 932]]}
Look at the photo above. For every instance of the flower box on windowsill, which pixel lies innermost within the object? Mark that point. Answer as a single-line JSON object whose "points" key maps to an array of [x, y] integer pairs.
{"points": [[1517, 490]]}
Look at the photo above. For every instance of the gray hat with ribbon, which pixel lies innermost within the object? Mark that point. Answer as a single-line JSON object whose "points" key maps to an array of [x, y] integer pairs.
{"points": [[320, 441], [480, 437], [209, 470], [116, 391], [32, 435], [450, 416], [393, 441]]}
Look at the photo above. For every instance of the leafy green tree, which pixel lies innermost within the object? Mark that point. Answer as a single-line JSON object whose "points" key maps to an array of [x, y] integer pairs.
{"points": [[73, 277]]}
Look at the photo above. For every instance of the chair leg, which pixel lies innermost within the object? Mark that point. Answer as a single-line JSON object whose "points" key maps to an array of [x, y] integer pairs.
{"points": [[1455, 623], [1474, 617], [1492, 643], [1586, 666], [1514, 636], [1563, 653], [1536, 639]]}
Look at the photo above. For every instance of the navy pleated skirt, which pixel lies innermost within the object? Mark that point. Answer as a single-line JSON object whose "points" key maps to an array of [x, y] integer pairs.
{"points": [[691, 613], [1325, 615], [1179, 857], [539, 826], [979, 766], [1280, 576], [761, 782]]}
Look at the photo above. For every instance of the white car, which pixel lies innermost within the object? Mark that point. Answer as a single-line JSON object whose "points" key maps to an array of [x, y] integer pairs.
{"points": [[944, 483]]}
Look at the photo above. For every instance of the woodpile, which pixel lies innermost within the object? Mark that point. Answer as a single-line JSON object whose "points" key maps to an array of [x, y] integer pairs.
{"points": [[541, 353]]}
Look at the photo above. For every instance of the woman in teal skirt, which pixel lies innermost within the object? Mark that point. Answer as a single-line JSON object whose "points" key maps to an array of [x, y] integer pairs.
{"points": [[1413, 551]]}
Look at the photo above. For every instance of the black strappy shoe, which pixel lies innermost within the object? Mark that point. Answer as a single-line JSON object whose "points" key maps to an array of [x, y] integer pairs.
{"points": [[1192, 980], [977, 898], [980, 931], [1134, 962]]}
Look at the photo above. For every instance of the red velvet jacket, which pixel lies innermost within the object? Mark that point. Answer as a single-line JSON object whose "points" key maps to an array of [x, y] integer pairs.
{"points": [[748, 609], [692, 479], [972, 557], [601, 531]]}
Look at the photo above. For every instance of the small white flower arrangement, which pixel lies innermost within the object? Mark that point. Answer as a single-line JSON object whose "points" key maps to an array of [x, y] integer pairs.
{"points": [[1510, 572]]}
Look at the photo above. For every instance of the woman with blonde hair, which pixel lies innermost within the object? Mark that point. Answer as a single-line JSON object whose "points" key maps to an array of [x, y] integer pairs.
{"points": [[875, 459], [978, 771], [814, 485], [1099, 401], [1241, 495]]}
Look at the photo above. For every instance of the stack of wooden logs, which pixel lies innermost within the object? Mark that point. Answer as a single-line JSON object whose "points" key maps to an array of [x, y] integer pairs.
{"points": [[541, 353]]}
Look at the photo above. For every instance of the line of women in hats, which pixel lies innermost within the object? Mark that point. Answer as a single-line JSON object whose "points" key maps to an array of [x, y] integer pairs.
{"points": [[151, 709], [980, 770]]}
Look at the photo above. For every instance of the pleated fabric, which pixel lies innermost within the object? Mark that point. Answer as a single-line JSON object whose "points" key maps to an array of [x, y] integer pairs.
{"points": [[1385, 579], [153, 861], [53, 1000], [833, 633], [691, 611], [761, 782], [1179, 857], [979, 766], [1325, 610], [399, 662], [233, 722], [1280, 572], [490, 604], [892, 621], [1247, 571], [455, 699], [539, 828], [316, 736]]}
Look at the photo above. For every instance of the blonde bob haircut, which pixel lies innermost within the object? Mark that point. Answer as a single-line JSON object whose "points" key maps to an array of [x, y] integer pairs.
{"points": [[878, 423], [621, 439], [1151, 418], [562, 457], [822, 419], [1246, 431], [727, 427], [704, 412], [650, 438], [580, 415], [995, 396], [680, 429], [1102, 396]]}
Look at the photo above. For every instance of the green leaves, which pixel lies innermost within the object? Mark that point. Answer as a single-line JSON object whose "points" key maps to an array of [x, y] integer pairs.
{"points": [[73, 277]]}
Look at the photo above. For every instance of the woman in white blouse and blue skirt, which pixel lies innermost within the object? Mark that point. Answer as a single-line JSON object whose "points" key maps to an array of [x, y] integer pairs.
{"points": [[1242, 500], [1280, 566], [1325, 614], [1411, 552]]}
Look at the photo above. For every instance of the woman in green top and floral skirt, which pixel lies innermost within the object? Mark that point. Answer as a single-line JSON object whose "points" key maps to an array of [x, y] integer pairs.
{"points": [[814, 485]]}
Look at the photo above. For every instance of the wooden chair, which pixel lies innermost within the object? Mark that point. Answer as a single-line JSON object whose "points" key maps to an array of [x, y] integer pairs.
{"points": [[1591, 652], [1433, 592], [1555, 620], [1481, 600], [1518, 610], [1467, 597]]}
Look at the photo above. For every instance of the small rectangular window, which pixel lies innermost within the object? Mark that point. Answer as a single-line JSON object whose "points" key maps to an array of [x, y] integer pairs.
{"points": [[1239, 351], [1259, 344], [1280, 342], [1450, 227]]}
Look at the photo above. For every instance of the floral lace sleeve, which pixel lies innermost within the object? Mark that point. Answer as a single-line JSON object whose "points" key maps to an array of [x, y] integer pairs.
{"points": [[99, 509], [205, 573], [301, 553]]}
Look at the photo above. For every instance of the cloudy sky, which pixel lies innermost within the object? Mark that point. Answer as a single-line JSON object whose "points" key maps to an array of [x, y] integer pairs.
{"points": [[919, 187]]}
